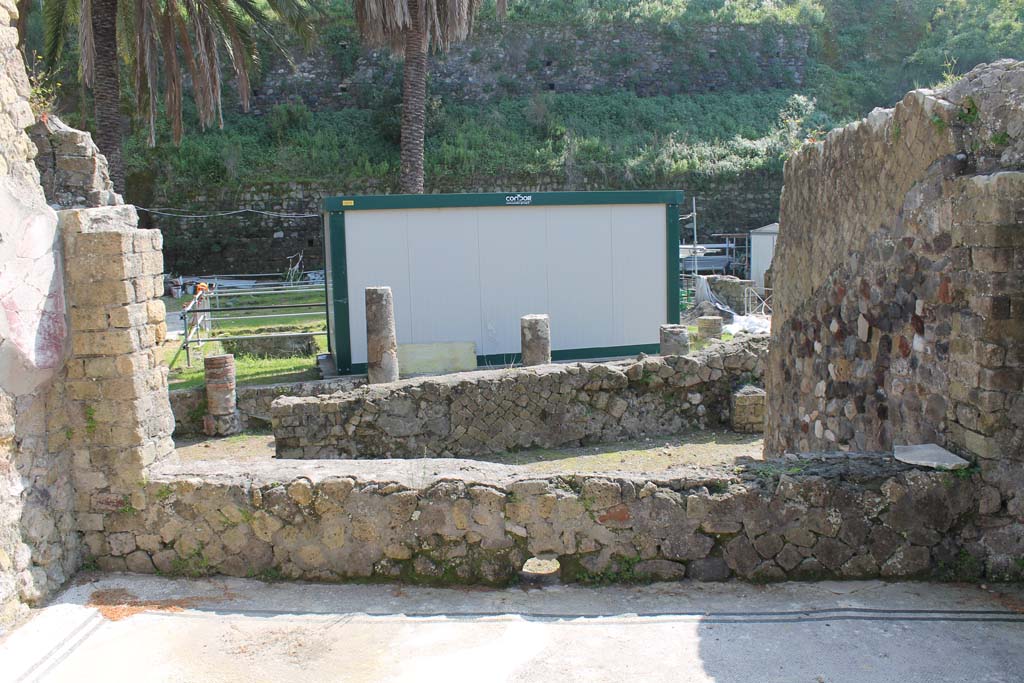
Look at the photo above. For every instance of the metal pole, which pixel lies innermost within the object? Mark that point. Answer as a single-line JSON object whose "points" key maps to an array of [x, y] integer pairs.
{"points": [[694, 241], [188, 353]]}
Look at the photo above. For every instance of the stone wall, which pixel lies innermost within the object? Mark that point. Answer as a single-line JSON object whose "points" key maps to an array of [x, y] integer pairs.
{"points": [[254, 242], [189, 405], [731, 290], [38, 545], [444, 521], [513, 59], [73, 172], [899, 287], [118, 418], [475, 413]]}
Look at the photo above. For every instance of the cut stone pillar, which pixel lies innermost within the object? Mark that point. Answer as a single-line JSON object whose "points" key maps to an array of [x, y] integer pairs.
{"points": [[535, 335], [381, 342], [748, 404], [222, 416], [675, 340], [709, 327]]}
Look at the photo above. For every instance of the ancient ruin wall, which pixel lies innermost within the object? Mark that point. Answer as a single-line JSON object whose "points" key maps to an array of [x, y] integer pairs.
{"points": [[38, 546], [475, 413], [254, 402], [72, 170], [899, 290]]}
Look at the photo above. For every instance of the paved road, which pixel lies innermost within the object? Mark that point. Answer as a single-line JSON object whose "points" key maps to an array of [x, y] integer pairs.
{"points": [[134, 628]]}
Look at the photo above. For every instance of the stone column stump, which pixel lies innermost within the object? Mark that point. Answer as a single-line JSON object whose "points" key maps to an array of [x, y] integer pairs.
{"points": [[381, 340], [748, 404], [222, 417], [535, 335], [709, 327], [675, 340]]}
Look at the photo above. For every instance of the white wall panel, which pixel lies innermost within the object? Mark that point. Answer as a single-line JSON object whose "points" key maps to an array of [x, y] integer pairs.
{"points": [[639, 280], [469, 274], [444, 273], [579, 276], [513, 273], [377, 251]]}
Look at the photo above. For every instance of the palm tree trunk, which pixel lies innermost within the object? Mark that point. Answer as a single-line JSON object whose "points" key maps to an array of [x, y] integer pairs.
{"points": [[106, 90], [414, 98]]}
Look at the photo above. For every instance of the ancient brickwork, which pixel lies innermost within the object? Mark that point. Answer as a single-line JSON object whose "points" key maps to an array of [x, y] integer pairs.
{"points": [[899, 303], [498, 410], [72, 170], [119, 420], [837, 516]]}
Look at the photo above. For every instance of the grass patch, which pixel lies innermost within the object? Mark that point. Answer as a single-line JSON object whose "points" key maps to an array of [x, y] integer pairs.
{"points": [[249, 371]]}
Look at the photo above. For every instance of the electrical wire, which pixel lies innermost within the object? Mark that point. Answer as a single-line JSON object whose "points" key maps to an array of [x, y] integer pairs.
{"points": [[165, 211]]}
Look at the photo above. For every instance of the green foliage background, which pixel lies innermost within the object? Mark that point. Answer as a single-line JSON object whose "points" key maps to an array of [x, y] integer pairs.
{"points": [[863, 54]]}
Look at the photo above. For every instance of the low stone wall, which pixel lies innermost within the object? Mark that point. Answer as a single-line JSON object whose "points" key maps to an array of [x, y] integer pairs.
{"points": [[189, 405], [476, 413], [447, 521]]}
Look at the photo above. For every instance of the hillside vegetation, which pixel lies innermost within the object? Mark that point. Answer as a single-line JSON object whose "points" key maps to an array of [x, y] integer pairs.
{"points": [[861, 54]]}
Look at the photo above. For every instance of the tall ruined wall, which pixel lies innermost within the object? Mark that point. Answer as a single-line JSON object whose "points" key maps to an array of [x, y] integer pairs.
{"points": [[72, 169], [899, 286], [38, 546]]}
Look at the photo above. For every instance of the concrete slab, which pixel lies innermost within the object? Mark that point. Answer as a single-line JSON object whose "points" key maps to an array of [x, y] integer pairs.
{"points": [[142, 628], [929, 455]]}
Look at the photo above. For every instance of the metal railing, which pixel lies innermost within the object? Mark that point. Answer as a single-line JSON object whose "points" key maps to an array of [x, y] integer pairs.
{"points": [[214, 304], [755, 303]]}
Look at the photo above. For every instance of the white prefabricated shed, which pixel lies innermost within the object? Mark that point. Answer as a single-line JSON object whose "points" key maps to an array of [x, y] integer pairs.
{"points": [[762, 249], [465, 268]]}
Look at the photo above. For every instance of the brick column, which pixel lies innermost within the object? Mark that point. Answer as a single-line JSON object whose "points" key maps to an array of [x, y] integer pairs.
{"points": [[119, 414]]}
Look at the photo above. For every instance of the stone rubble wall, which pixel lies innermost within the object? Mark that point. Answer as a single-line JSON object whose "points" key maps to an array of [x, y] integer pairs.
{"points": [[72, 169], [898, 277], [731, 290], [899, 289], [38, 543], [189, 405], [802, 518], [475, 413], [530, 60]]}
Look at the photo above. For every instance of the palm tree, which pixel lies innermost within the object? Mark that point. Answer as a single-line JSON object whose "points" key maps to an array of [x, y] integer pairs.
{"points": [[147, 35], [411, 28]]}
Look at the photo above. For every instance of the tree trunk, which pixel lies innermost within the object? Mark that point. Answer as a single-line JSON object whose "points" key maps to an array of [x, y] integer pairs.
{"points": [[106, 89], [414, 99]]}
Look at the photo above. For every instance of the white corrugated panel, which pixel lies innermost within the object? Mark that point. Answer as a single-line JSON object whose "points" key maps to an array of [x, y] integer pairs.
{"points": [[469, 274]]}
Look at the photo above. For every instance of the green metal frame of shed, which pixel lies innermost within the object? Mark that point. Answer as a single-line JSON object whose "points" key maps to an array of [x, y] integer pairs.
{"points": [[337, 267]]}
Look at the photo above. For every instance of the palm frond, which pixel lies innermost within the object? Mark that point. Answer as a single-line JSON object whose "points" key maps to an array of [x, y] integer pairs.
{"points": [[55, 22]]}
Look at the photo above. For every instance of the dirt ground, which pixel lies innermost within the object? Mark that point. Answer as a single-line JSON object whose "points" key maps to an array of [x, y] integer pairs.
{"points": [[647, 455]]}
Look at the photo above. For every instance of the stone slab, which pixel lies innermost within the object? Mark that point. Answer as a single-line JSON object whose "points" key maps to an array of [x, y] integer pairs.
{"points": [[443, 357], [929, 455]]}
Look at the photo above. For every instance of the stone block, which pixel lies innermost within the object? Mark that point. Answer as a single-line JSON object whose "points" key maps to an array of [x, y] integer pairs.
{"points": [[675, 340], [709, 327], [930, 456]]}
